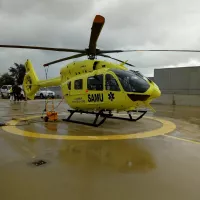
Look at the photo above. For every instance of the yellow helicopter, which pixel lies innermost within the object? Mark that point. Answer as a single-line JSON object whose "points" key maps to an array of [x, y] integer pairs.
{"points": [[95, 86]]}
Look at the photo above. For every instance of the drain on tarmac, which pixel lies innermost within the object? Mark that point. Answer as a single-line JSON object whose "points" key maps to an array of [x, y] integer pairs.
{"points": [[39, 162]]}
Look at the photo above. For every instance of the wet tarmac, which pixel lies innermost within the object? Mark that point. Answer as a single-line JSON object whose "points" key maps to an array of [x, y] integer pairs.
{"points": [[159, 167]]}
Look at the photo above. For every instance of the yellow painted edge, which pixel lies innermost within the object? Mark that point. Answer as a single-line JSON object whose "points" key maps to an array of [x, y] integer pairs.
{"points": [[167, 127]]}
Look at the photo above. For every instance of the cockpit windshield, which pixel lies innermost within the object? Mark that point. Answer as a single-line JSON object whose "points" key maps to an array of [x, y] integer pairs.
{"points": [[131, 81]]}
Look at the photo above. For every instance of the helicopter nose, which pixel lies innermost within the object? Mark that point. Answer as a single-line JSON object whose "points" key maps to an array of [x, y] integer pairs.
{"points": [[156, 93]]}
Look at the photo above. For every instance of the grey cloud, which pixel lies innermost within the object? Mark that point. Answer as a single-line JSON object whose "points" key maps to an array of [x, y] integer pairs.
{"points": [[52, 10], [147, 24]]}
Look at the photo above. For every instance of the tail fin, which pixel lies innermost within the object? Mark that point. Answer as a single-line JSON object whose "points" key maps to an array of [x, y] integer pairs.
{"points": [[31, 81], [32, 84]]}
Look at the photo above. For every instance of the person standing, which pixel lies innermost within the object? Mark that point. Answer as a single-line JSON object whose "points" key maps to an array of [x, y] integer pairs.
{"points": [[18, 93], [11, 94], [14, 89], [24, 93]]}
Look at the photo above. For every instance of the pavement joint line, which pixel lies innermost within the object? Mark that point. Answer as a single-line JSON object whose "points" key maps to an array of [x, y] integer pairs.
{"points": [[28, 151], [185, 140]]}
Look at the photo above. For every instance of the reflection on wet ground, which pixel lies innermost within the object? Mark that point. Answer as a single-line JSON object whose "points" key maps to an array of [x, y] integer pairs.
{"points": [[189, 114], [187, 120], [121, 157], [151, 168]]}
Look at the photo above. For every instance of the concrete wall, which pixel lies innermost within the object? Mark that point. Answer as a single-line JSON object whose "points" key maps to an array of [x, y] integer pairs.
{"points": [[178, 99], [179, 86], [184, 80]]}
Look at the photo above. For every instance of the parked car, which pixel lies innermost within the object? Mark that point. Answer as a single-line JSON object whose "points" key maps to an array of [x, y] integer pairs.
{"points": [[45, 94], [5, 91]]}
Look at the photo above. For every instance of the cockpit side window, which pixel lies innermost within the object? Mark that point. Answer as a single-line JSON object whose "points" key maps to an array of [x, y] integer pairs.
{"points": [[111, 83], [95, 82], [131, 81]]}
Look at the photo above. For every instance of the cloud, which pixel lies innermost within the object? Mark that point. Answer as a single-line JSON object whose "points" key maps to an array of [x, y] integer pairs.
{"points": [[147, 24], [190, 63]]}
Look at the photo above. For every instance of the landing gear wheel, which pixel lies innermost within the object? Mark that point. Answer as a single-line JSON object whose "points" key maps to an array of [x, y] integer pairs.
{"points": [[46, 119]]}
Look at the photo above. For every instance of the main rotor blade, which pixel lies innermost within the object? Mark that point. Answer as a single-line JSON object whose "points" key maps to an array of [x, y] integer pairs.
{"points": [[43, 48], [95, 32], [63, 59], [116, 59], [120, 51]]}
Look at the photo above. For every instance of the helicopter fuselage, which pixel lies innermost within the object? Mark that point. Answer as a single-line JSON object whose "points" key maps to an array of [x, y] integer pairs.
{"points": [[97, 85]]}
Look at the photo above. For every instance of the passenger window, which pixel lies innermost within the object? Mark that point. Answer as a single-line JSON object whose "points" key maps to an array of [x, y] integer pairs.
{"points": [[111, 83], [95, 82], [78, 84], [69, 85]]}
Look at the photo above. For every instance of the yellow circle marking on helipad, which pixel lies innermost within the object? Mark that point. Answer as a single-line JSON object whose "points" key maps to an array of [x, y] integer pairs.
{"points": [[167, 127]]}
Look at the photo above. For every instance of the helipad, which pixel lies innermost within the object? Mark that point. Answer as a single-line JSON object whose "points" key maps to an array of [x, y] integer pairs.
{"points": [[164, 128]]}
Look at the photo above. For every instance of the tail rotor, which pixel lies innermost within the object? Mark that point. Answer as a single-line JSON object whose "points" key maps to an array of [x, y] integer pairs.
{"points": [[31, 81]]}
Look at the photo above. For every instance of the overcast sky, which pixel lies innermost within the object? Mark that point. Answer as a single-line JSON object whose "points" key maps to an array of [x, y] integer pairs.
{"points": [[129, 24]]}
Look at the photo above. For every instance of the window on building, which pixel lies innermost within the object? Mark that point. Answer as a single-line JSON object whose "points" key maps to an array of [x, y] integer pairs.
{"points": [[78, 84], [111, 83], [95, 82]]}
